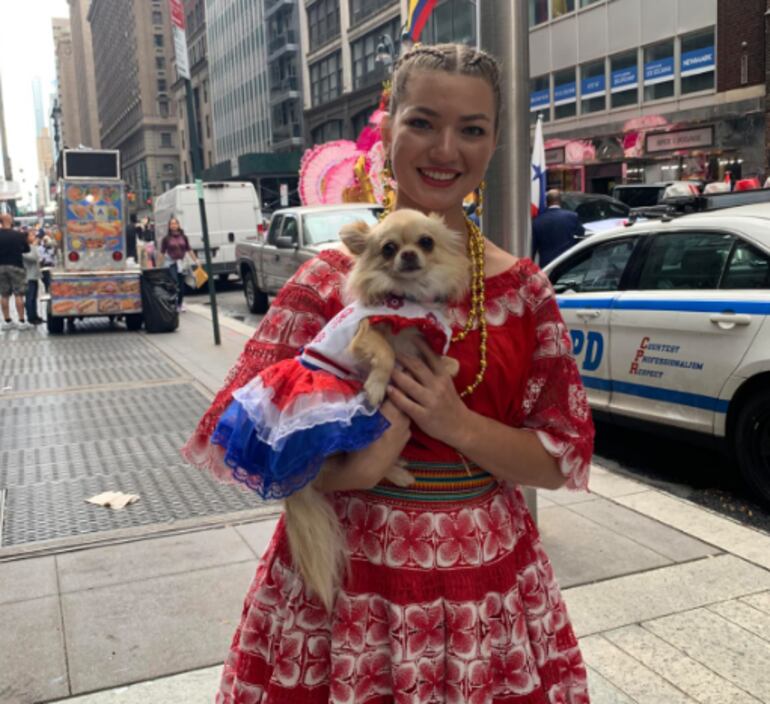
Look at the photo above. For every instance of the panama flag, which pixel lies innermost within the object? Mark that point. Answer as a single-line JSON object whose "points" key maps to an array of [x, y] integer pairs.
{"points": [[537, 176], [418, 13]]}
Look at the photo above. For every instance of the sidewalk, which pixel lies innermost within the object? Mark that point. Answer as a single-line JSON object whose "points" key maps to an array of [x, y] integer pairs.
{"points": [[671, 602]]}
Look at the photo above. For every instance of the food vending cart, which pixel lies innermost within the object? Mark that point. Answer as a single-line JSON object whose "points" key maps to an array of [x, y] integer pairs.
{"points": [[92, 278]]}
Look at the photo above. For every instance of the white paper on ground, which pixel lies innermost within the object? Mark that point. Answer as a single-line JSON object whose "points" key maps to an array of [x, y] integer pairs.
{"points": [[113, 499]]}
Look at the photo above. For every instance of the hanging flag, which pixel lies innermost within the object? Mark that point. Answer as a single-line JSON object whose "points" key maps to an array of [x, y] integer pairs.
{"points": [[537, 175], [419, 11]]}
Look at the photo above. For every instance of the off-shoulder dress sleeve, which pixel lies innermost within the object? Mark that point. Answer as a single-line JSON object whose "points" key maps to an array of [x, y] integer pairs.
{"points": [[555, 404], [302, 307]]}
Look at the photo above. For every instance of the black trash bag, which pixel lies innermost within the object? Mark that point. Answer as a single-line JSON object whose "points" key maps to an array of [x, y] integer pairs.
{"points": [[159, 297]]}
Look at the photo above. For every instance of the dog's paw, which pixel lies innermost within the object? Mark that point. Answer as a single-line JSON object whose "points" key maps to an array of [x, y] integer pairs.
{"points": [[451, 365], [375, 391], [400, 476]]}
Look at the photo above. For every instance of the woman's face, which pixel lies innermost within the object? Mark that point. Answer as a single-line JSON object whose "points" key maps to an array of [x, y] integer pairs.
{"points": [[441, 139], [173, 224]]}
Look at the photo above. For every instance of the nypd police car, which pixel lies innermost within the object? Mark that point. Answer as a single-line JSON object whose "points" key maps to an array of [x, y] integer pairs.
{"points": [[670, 324]]}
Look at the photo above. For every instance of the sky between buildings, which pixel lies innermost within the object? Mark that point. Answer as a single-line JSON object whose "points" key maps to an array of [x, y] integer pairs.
{"points": [[26, 51]]}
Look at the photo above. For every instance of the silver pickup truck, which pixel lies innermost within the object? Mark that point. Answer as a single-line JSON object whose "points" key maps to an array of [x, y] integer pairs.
{"points": [[295, 235]]}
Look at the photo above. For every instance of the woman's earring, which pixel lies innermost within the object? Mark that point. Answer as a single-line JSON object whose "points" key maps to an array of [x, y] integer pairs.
{"points": [[480, 192], [387, 185]]}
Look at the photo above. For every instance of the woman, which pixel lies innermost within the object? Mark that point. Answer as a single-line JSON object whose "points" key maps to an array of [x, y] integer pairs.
{"points": [[173, 249], [449, 595]]}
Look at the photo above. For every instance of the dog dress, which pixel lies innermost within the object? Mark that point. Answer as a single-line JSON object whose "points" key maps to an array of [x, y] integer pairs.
{"points": [[281, 426]]}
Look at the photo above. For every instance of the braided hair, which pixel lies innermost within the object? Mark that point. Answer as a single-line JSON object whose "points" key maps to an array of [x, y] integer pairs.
{"points": [[452, 58]]}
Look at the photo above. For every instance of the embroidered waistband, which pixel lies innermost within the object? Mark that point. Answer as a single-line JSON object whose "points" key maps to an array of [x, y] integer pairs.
{"points": [[437, 481]]}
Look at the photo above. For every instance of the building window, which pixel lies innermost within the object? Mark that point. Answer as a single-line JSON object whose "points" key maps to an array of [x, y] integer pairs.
{"points": [[208, 127], [323, 22], [659, 71], [361, 119], [564, 94], [585, 3], [326, 79], [157, 17], [452, 21], [561, 7], [540, 97], [697, 63], [593, 87], [624, 79], [165, 139], [161, 85], [538, 12], [163, 108], [366, 68], [361, 9], [158, 39], [205, 92], [160, 63], [327, 132], [169, 168]]}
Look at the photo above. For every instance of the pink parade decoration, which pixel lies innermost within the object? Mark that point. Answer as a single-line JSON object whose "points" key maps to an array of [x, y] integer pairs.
{"points": [[315, 165]]}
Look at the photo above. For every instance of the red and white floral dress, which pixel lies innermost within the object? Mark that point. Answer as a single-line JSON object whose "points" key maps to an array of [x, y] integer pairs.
{"points": [[450, 596]]}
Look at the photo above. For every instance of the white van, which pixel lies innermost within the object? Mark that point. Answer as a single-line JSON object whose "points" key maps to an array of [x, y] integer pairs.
{"points": [[232, 212]]}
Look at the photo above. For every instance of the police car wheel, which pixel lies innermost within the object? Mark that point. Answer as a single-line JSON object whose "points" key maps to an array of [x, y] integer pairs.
{"points": [[752, 443]]}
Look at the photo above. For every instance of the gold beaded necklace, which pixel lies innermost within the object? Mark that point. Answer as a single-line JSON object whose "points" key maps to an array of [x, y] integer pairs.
{"points": [[477, 311]]}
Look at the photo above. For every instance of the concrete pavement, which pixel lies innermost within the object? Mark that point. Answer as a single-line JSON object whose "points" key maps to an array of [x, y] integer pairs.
{"points": [[671, 602]]}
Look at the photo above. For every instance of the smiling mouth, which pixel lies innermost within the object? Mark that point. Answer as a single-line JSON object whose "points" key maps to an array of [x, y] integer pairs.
{"points": [[439, 178]]}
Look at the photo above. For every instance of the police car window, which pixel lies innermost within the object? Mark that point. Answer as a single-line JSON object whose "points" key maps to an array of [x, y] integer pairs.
{"points": [[748, 268], [598, 270], [685, 261]]}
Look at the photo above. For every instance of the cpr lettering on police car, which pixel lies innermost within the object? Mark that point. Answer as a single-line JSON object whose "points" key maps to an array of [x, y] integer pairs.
{"points": [[639, 354], [593, 342]]}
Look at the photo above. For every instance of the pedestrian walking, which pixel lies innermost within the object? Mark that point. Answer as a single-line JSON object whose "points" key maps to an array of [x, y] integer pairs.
{"points": [[32, 273], [554, 230], [175, 249], [13, 244], [448, 595]]}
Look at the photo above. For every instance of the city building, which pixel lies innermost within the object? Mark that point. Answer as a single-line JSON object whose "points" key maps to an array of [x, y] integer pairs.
{"points": [[132, 67], [649, 90], [83, 56], [238, 75], [348, 50], [195, 26], [66, 85], [283, 58]]}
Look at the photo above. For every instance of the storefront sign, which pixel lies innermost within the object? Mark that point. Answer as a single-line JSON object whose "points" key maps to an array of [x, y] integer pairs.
{"points": [[698, 61], [680, 139], [659, 71], [539, 100], [593, 87], [565, 93], [624, 79], [554, 156]]}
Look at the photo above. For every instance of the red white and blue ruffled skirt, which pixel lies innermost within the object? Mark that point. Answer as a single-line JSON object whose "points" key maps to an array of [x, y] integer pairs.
{"points": [[282, 425]]}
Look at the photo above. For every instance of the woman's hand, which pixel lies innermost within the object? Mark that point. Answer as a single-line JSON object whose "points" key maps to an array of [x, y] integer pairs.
{"points": [[426, 393], [365, 468]]}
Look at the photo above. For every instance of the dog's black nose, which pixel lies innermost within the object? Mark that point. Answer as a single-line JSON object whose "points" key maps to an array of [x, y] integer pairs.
{"points": [[409, 261]]}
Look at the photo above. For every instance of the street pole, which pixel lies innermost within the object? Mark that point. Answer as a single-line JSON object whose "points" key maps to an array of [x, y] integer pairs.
{"points": [[192, 131], [504, 32]]}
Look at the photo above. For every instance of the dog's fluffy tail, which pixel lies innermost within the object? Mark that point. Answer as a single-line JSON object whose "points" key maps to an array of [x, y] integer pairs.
{"points": [[317, 542]]}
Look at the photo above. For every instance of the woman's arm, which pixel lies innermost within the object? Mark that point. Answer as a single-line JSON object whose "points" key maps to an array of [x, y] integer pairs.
{"points": [[364, 469], [428, 396]]}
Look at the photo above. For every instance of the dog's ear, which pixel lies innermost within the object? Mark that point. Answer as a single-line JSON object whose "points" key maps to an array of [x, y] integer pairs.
{"points": [[354, 236]]}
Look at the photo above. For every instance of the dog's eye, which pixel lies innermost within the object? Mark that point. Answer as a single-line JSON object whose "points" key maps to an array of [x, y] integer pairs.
{"points": [[389, 250], [425, 243]]}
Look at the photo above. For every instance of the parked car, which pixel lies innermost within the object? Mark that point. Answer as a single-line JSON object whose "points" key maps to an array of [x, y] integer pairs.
{"points": [[233, 215], [295, 235], [645, 195], [670, 325], [596, 212]]}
